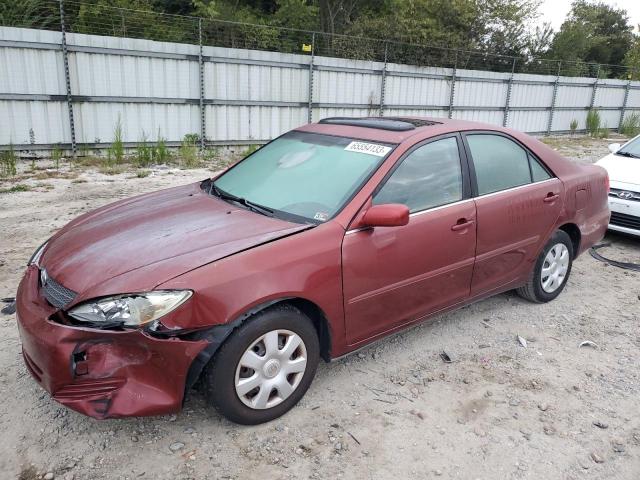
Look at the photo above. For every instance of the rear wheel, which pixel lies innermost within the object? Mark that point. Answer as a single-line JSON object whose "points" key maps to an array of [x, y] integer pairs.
{"points": [[265, 367], [551, 271]]}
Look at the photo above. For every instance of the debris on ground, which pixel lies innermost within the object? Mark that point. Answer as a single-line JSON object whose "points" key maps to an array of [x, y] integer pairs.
{"points": [[445, 357], [521, 341]]}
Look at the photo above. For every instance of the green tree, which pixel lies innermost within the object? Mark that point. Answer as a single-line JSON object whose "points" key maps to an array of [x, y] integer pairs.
{"points": [[131, 18], [497, 27], [501, 26], [632, 59], [29, 14], [594, 33]]}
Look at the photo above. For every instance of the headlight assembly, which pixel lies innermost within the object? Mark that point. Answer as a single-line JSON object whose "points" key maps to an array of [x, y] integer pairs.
{"points": [[130, 310]]}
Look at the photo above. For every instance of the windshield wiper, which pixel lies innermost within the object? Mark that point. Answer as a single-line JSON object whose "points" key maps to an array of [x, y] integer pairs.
{"points": [[257, 208], [627, 154], [213, 190]]}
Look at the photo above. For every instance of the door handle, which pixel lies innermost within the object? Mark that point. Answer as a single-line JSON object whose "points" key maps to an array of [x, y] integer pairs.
{"points": [[551, 197], [462, 224]]}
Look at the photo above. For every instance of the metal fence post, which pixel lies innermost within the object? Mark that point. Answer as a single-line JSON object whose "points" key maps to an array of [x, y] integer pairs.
{"points": [[452, 92], [595, 88], [507, 103], [383, 81], [65, 59], [624, 104], [553, 99], [310, 93], [203, 125]]}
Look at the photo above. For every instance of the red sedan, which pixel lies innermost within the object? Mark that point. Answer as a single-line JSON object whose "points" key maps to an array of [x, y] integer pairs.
{"points": [[329, 237]]}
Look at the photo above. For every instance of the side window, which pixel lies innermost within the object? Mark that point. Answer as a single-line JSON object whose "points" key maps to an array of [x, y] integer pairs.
{"points": [[538, 172], [499, 163], [428, 177]]}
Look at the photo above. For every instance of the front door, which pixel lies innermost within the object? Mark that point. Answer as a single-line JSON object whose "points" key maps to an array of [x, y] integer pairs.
{"points": [[394, 275]]}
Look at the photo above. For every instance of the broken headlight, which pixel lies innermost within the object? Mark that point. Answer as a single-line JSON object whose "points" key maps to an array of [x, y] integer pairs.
{"points": [[131, 310]]}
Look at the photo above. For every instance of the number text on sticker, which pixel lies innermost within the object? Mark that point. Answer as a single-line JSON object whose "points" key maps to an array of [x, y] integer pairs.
{"points": [[368, 148]]}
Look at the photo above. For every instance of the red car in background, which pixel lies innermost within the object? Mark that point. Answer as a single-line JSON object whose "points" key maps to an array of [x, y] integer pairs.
{"points": [[322, 241]]}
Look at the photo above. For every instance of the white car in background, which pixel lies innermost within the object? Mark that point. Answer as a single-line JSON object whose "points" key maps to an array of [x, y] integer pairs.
{"points": [[623, 166]]}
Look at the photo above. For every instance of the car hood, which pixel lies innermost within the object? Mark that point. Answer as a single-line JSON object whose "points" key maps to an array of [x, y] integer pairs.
{"points": [[159, 235], [621, 169]]}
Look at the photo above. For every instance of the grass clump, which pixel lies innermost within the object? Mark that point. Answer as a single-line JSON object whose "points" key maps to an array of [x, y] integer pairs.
{"points": [[573, 126], [149, 154], [56, 155], [249, 150], [630, 125], [212, 154], [161, 153], [189, 151], [593, 123], [115, 153], [144, 153], [112, 169], [595, 128], [8, 161], [143, 173], [20, 187]]}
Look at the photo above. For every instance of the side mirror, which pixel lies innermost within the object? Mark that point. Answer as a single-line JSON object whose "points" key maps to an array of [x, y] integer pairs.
{"points": [[614, 147], [387, 215]]}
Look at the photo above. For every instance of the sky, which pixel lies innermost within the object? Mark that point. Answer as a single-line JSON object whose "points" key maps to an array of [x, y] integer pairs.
{"points": [[555, 11]]}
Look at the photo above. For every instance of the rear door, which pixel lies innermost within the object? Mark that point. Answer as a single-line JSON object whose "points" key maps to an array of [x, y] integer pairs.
{"points": [[517, 201], [394, 275]]}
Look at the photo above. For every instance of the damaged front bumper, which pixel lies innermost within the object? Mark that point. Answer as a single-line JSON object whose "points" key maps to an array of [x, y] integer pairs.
{"points": [[101, 373]]}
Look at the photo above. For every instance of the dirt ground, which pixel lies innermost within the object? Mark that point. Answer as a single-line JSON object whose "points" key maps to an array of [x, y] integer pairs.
{"points": [[394, 410]]}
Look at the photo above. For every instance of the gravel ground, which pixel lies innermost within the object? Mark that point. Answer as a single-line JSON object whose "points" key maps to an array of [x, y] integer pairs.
{"points": [[551, 410]]}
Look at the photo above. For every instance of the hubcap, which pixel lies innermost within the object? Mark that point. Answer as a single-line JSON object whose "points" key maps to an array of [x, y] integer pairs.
{"points": [[555, 268], [271, 369]]}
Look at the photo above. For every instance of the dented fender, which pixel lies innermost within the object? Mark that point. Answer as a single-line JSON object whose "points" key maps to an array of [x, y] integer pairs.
{"points": [[101, 373]]}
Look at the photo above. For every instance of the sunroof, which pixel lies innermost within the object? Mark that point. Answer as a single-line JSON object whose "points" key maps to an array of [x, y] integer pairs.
{"points": [[383, 123], [416, 122]]}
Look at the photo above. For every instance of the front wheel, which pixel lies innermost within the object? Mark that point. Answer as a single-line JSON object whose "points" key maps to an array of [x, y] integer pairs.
{"points": [[265, 367], [551, 271]]}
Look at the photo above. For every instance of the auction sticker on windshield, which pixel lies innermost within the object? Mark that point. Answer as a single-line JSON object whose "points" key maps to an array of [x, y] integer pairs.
{"points": [[368, 148]]}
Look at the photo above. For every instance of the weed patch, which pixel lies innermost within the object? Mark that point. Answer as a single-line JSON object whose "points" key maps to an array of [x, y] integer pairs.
{"points": [[8, 160], [189, 151], [20, 187], [630, 125]]}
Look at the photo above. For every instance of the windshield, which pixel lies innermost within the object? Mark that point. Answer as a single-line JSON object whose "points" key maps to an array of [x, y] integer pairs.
{"points": [[631, 149], [305, 175]]}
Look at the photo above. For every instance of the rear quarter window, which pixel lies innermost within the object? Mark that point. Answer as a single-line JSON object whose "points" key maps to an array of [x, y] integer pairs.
{"points": [[538, 172]]}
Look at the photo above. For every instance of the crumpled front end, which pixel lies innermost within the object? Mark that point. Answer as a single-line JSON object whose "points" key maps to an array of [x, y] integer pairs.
{"points": [[101, 373]]}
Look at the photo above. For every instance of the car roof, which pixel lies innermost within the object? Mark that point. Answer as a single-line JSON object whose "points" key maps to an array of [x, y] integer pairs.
{"points": [[392, 129], [432, 127]]}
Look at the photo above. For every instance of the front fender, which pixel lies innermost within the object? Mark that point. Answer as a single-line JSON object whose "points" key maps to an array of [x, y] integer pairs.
{"points": [[306, 265]]}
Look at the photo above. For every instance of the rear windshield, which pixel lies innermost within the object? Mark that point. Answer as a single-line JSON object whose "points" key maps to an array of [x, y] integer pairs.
{"points": [[304, 175]]}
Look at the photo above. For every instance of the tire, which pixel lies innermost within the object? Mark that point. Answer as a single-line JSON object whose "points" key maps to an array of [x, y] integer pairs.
{"points": [[228, 375], [539, 288]]}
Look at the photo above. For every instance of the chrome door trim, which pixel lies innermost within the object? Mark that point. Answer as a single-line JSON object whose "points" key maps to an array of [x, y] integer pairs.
{"points": [[459, 202], [516, 188]]}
